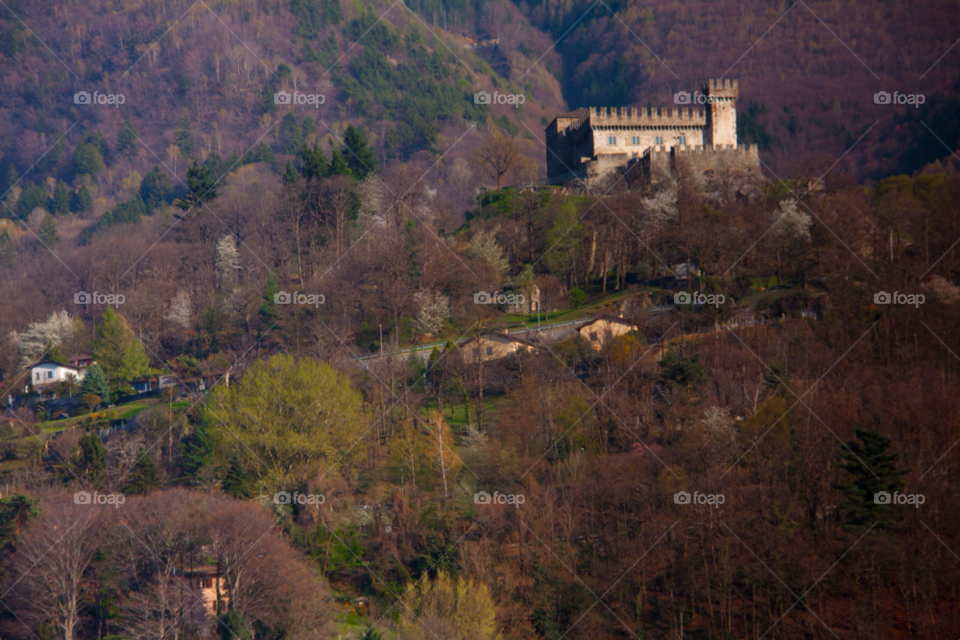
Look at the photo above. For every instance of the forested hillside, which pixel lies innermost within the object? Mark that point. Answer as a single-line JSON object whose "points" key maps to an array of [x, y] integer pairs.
{"points": [[297, 344]]}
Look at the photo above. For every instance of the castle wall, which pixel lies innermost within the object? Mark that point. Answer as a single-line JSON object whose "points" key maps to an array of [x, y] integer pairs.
{"points": [[721, 112], [579, 143]]}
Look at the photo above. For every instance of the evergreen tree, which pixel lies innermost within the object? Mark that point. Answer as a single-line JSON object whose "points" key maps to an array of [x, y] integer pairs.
{"points": [[12, 177], [201, 185], [237, 481], [361, 158], [15, 512], [60, 204], [87, 160], [183, 136], [118, 350], [338, 165], [82, 201], [216, 166], [233, 627], [95, 382], [313, 163], [290, 174], [155, 188], [48, 231], [291, 136], [127, 139], [31, 197], [90, 461], [8, 251], [196, 449], [143, 477], [874, 470], [262, 153]]}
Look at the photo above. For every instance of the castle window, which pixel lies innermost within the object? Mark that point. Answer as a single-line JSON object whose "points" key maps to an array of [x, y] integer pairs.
{"points": [[611, 139], [635, 140], [658, 140], [682, 140]]}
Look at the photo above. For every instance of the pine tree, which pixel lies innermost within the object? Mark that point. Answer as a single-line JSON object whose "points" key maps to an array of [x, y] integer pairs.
{"points": [[48, 231], [338, 165], [95, 382], [127, 139], [873, 470], [87, 160], [12, 177], [89, 461], [201, 185], [143, 477], [196, 449], [8, 251], [313, 163], [290, 174], [155, 188], [15, 512], [237, 481], [60, 204], [183, 136], [262, 153], [81, 201], [361, 158], [233, 627]]}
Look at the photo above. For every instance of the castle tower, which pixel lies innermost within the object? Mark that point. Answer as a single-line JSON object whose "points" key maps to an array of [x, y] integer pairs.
{"points": [[721, 112]]}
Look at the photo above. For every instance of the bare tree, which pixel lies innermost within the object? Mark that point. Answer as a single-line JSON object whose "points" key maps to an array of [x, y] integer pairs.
{"points": [[500, 155], [52, 561]]}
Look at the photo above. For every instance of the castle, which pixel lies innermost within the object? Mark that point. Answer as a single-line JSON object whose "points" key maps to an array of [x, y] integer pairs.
{"points": [[590, 143]]}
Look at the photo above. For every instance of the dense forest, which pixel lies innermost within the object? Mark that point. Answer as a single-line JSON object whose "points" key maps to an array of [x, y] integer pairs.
{"points": [[351, 368]]}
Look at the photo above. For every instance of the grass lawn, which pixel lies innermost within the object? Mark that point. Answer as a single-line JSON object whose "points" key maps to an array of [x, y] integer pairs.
{"points": [[124, 412]]}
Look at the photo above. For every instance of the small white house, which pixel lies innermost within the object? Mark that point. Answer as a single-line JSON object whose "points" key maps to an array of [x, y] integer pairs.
{"points": [[48, 372]]}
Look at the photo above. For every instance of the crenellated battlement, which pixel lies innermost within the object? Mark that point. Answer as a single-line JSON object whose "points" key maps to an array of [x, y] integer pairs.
{"points": [[725, 88], [633, 117]]}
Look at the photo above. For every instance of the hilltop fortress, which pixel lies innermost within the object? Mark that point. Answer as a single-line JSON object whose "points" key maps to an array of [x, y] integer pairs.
{"points": [[590, 143]]}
